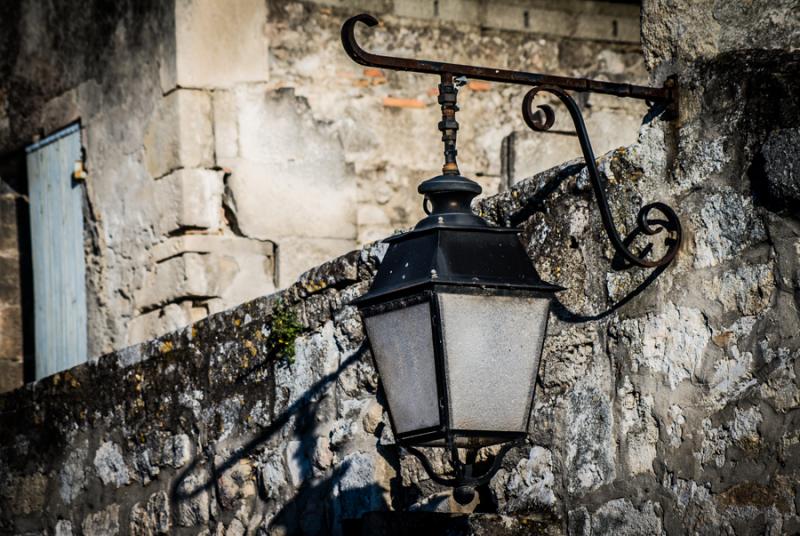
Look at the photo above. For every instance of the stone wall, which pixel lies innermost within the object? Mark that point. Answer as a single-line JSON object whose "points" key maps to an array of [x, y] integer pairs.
{"points": [[11, 301], [667, 402], [231, 146], [158, 250]]}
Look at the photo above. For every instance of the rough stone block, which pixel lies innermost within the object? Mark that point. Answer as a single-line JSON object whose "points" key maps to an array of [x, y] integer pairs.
{"points": [[590, 447], [152, 517], [673, 342], [184, 276], [247, 264], [110, 465], [28, 494], [285, 156], [727, 223], [102, 523], [533, 152], [236, 483], [296, 255], [530, 486], [179, 133], [11, 374], [190, 198], [360, 489], [154, 323], [63, 528], [8, 224], [621, 517], [226, 128], [10, 332], [194, 505], [781, 155], [638, 429], [219, 44], [72, 478]]}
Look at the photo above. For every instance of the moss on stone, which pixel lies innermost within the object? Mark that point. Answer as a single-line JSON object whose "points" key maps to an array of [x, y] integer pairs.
{"points": [[284, 330]]}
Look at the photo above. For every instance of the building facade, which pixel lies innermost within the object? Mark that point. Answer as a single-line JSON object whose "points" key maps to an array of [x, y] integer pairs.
{"points": [[226, 147]]}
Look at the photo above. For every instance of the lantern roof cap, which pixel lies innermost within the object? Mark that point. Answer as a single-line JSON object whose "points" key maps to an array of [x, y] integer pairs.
{"points": [[449, 183], [455, 255]]}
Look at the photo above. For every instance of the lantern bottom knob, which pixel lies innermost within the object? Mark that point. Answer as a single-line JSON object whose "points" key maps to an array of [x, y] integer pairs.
{"points": [[464, 494]]}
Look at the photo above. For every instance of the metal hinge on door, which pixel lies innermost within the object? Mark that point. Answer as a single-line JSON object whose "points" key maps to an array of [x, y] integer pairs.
{"points": [[79, 171]]}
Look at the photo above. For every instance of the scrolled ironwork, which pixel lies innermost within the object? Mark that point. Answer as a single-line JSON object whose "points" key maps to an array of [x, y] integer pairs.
{"points": [[645, 224], [534, 120], [463, 476]]}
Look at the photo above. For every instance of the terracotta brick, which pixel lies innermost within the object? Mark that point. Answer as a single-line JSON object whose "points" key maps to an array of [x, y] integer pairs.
{"points": [[479, 85], [395, 102]]}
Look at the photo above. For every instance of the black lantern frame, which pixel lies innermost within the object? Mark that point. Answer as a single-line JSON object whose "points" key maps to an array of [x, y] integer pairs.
{"points": [[454, 251], [445, 260]]}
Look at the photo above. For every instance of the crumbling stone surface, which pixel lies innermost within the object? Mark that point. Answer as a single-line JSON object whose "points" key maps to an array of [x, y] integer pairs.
{"points": [[781, 165], [668, 402], [408, 524], [110, 466], [11, 299], [151, 517], [104, 522]]}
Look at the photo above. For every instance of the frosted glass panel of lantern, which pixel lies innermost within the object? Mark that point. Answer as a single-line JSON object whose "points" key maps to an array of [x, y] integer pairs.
{"points": [[402, 341], [492, 350]]}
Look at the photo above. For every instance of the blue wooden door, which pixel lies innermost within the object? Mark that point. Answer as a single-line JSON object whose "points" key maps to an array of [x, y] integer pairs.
{"points": [[59, 268]]}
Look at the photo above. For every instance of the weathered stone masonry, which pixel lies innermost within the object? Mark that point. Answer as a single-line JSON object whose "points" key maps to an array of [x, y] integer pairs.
{"points": [[232, 145], [677, 412], [672, 408]]}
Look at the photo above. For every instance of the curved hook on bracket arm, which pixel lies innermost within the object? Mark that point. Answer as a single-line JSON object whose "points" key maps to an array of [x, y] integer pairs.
{"points": [[645, 224], [666, 94]]}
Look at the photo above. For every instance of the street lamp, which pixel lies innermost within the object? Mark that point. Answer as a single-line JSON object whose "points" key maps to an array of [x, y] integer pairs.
{"points": [[457, 314]]}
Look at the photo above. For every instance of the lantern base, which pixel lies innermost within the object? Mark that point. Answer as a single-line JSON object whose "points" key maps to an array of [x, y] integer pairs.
{"points": [[464, 481], [464, 494]]}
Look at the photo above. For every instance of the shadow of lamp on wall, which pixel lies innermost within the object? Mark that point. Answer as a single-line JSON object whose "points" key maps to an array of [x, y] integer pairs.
{"points": [[457, 314]]}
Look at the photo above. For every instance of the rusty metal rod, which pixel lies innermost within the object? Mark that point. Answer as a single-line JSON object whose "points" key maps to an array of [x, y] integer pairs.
{"points": [[666, 94]]}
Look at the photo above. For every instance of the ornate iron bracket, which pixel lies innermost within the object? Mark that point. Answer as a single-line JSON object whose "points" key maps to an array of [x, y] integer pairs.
{"points": [[645, 225], [557, 85], [464, 481], [451, 192]]}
